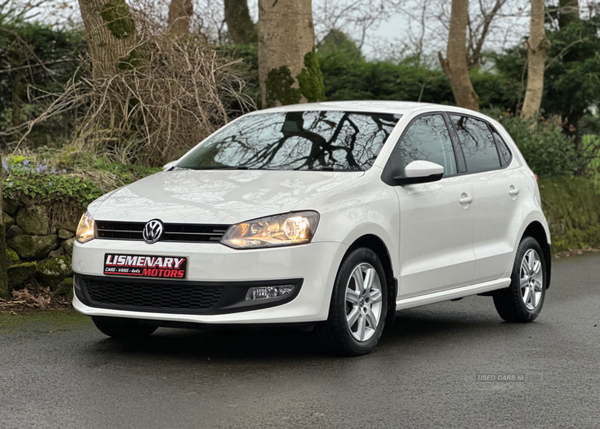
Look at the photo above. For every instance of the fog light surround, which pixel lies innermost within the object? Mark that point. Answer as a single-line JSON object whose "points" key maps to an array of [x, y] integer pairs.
{"points": [[269, 292]]}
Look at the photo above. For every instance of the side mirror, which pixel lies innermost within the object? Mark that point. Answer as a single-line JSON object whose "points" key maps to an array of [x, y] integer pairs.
{"points": [[169, 165], [420, 172]]}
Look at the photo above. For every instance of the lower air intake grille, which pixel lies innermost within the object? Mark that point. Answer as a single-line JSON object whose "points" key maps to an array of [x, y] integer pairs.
{"points": [[151, 295]]}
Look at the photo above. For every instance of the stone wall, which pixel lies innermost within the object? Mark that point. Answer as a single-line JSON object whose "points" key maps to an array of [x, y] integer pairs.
{"points": [[36, 250]]}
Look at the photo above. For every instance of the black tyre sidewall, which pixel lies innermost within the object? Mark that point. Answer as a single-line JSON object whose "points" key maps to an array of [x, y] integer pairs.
{"points": [[337, 324], [511, 297]]}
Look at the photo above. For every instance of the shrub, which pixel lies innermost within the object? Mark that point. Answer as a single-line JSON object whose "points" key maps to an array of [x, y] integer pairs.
{"points": [[65, 187], [572, 207], [545, 148]]}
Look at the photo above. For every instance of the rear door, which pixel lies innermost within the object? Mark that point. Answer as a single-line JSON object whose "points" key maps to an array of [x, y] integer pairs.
{"points": [[436, 228], [496, 206]]}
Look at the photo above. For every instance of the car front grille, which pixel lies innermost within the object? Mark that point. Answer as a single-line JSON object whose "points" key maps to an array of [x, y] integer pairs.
{"points": [[186, 232], [151, 295]]}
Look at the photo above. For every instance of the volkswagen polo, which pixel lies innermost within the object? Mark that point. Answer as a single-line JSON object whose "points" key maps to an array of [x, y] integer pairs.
{"points": [[334, 215]]}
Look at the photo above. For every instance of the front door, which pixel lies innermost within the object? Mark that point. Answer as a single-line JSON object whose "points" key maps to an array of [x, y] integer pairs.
{"points": [[436, 219]]}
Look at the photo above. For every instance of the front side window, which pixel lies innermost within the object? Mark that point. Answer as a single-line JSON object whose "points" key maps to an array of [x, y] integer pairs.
{"points": [[311, 140], [427, 139], [477, 144]]}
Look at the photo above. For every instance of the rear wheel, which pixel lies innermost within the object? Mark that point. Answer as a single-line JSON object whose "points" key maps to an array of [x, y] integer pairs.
{"points": [[522, 301], [358, 305], [123, 328]]}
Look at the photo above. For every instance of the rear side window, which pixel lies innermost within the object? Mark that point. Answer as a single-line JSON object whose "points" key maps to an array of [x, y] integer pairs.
{"points": [[505, 154], [477, 144], [427, 139]]}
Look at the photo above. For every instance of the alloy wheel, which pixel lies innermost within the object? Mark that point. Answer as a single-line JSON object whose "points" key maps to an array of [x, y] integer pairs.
{"points": [[531, 279], [363, 301]]}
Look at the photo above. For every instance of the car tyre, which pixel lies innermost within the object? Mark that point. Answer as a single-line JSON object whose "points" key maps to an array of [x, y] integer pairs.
{"points": [[123, 328], [522, 301], [358, 306]]}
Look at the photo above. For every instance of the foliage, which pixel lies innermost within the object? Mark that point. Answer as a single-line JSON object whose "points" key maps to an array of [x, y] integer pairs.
{"points": [[64, 184], [311, 78], [571, 80], [339, 47], [572, 207], [545, 148], [35, 60]]}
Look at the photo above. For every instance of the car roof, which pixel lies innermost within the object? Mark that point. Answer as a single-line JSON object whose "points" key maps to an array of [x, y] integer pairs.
{"points": [[376, 106], [381, 106]]}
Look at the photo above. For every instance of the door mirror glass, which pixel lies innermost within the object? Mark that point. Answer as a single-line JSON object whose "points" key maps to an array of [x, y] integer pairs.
{"points": [[169, 166], [420, 172]]}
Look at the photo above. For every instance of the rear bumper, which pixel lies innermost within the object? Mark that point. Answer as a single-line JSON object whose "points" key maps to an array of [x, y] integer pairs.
{"points": [[312, 267]]}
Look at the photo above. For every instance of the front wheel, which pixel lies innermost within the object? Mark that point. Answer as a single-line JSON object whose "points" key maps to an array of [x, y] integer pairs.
{"points": [[522, 301], [123, 328], [358, 305]]}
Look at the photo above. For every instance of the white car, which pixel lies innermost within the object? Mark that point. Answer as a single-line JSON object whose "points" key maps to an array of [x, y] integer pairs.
{"points": [[334, 214]]}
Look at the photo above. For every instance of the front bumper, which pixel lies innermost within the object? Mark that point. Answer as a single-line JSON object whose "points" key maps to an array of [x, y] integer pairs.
{"points": [[313, 267]]}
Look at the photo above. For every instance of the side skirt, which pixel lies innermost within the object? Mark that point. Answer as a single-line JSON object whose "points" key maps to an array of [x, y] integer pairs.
{"points": [[446, 295]]}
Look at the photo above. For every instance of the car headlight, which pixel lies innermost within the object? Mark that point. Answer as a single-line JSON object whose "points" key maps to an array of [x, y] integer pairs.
{"points": [[85, 229], [273, 231]]}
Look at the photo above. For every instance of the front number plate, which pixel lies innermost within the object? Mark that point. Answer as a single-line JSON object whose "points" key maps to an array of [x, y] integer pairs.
{"points": [[171, 267]]}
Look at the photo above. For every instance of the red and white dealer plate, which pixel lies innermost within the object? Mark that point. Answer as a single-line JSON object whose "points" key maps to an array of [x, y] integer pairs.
{"points": [[171, 267]]}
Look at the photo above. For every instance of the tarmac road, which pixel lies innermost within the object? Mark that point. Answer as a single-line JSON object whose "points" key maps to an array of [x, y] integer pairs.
{"points": [[426, 372]]}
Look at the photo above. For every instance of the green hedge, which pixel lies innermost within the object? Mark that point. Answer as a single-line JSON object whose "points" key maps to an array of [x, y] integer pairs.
{"points": [[572, 207]]}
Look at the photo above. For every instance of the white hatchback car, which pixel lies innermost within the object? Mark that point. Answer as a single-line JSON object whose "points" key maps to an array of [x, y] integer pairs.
{"points": [[334, 214]]}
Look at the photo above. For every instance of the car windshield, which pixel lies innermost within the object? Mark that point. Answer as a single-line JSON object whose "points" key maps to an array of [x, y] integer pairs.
{"points": [[310, 140]]}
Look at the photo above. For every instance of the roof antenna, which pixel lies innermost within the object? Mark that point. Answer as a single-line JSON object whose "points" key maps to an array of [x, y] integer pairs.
{"points": [[421, 94]]}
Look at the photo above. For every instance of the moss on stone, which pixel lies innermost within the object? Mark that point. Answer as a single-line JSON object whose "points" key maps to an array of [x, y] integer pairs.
{"points": [[52, 273], [34, 246], [279, 88], [12, 257], [65, 288], [18, 274], [311, 78], [118, 18]]}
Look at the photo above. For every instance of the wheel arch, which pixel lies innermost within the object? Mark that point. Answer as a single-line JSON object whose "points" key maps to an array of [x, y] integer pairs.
{"points": [[536, 230], [377, 245]]}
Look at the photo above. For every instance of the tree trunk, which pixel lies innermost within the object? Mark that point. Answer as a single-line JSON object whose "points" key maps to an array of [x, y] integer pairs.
{"points": [[241, 28], [288, 69], [4, 291], [538, 47], [455, 65], [568, 12], [180, 12], [110, 32]]}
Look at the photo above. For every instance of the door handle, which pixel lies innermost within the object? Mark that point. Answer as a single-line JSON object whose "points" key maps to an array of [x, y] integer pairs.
{"points": [[465, 199], [512, 191]]}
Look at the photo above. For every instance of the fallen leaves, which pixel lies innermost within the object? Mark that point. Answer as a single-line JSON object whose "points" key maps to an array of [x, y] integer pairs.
{"points": [[34, 296]]}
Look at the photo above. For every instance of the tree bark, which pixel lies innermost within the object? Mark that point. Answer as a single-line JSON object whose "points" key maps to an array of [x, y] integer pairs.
{"points": [[455, 65], [180, 12], [110, 32], [285, 37], [241, 28], [538, 47], [4, 290], [568, 12]]}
